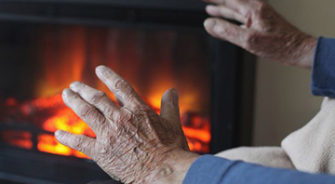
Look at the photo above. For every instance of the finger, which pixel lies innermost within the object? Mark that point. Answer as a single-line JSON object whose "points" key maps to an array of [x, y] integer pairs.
{"points": [[170, 112], [234, 4], [96, 98], [227, 31], [222, 11], [85, 111], [120, 87], [222, 2], [170, 106], [244, 7], [81, 143]]}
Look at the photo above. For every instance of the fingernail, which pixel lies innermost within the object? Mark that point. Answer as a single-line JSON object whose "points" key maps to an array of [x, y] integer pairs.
{"points": [[174, 91], [99, 70], [59, 134], [65, 93], [75, 85], [210, 8], [175, 96], [210, 23]]}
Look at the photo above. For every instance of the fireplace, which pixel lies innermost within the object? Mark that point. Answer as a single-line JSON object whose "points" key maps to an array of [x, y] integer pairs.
{"points": [[155, 45]]}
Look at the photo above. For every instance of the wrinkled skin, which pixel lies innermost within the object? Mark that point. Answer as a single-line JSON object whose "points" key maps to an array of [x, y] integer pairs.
{"points": [[133, 144], [263, 31]]}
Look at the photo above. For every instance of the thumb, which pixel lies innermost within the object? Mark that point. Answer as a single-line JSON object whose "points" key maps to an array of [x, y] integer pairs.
{"points": [[170, 112], [170, 106]]}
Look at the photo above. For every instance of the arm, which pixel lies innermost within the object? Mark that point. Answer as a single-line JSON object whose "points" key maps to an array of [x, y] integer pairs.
{"points": [[214, 170]]}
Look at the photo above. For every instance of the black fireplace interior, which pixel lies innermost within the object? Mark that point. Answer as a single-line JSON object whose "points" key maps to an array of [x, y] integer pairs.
{"points": [[154, 44]]}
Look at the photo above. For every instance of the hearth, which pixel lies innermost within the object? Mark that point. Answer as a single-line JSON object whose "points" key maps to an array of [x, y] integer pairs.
{"points": [[155, 45]]}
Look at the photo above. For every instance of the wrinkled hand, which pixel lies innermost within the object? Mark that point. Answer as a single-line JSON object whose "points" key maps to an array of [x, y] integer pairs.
{"points": [[133, 144], [263, 31]]}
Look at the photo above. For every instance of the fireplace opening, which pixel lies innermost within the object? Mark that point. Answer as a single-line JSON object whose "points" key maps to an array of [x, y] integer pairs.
{"points": [[151, 60]]}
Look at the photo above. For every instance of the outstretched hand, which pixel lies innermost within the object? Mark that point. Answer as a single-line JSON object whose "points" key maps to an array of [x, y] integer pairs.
{"points": [[133, 144], [263, 31]]}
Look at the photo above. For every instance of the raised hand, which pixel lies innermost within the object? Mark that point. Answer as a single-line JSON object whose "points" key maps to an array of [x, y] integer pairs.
{"points": [[133, 144], [263, 31]]}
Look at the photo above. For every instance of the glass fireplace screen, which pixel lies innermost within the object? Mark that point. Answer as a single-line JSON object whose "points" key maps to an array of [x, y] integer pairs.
{"points": [[38, 61]]}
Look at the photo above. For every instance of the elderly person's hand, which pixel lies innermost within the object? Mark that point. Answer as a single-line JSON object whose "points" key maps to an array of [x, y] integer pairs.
{"points": [[263, 31], [133, 144]]}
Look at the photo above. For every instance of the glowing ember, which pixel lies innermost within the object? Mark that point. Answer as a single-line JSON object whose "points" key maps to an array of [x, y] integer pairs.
{"points": [[60, 117], [20, 139]]}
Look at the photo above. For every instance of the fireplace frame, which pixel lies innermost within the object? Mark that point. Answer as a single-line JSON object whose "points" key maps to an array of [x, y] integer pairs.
{"points": [[186, 13], [232, 72]]}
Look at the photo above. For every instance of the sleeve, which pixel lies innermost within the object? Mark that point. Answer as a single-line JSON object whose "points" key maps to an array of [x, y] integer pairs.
{"points": [[214, 170], [323, 72]]}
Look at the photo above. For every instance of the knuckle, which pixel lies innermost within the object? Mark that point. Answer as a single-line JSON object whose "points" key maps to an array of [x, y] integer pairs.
{"points": [[221, 30], [226, 32], [83, 110], [120, 84], [100, 146], [78, 142], [262, 6], [221, 11], [138, 107], [262, 9], [115, 115], [100, 150], [101, 120], [87, 111], [120, 128], [109, 138], [124, 118], [97, 97], [126, 92], [251, 40]]}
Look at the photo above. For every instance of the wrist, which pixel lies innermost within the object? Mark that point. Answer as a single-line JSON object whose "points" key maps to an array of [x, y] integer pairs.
{"points": [[174, 167], [304, 52]]}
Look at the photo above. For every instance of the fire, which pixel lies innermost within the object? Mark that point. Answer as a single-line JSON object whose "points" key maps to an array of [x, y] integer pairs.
{"points": [[63, 119], [196, 128], [21, 139], [65, 57]]}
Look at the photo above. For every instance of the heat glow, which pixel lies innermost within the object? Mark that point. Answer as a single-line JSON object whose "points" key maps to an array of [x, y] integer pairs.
{"points": [[74, 52]]}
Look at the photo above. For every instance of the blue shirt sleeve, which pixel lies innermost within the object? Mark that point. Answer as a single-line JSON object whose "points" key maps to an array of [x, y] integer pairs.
{"points": [[213, 170], [323, 72]]}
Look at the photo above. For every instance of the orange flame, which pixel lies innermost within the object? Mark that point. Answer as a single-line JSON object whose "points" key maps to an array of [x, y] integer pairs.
{"points": [[20, 139], [196, 128], [64, 119], [65, 57]]}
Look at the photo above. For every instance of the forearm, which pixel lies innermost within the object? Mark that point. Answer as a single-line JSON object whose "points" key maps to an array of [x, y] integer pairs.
{"points": [[213, 170]]}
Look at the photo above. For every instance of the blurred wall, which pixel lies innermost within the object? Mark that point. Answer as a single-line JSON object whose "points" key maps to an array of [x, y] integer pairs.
{"points": [[283, 100]]}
